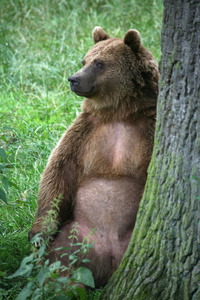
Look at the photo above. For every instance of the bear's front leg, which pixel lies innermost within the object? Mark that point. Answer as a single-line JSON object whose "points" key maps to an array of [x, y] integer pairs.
{"points": [[59, 181], [56, 193]]}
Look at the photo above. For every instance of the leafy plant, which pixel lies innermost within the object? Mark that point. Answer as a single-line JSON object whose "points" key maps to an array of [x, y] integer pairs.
{"points": [[44, 280], [5, 182]]}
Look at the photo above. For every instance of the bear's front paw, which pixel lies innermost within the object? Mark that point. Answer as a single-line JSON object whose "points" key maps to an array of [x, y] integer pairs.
{"points": [[36, 238], [31, 234]]}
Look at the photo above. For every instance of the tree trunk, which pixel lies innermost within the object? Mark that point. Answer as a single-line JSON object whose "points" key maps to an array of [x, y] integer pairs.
{"points": [[163, 257]]}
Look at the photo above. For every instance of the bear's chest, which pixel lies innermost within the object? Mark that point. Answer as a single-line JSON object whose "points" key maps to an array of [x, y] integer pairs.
{"points": [[117, 149]]}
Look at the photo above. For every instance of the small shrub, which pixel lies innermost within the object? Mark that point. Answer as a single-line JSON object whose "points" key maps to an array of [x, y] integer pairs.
{"points": [[44, 280]]}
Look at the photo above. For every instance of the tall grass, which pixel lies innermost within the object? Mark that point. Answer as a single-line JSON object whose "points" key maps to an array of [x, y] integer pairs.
{"points": [[42, 43]]}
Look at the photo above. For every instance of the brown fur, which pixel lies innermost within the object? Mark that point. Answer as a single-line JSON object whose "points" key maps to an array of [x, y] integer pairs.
{"points": [[100, 164]]}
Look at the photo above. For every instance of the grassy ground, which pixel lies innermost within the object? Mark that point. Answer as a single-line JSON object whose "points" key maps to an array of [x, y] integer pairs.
{"points": [[42, 43]]}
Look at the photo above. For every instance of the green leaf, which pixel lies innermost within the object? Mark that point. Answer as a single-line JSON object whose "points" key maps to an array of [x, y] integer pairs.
{"points": [[73, 256], [73, 262], [37, 294], [85, 260], [84, 276], [3, 153], [27, 290], [42, 275], [62, 248], [46, 262], [2, 168], [27, 259], [41, 250], [55, 266], [5, 183], [72, 237], [24, 269], [63, 280], [3, 195], [81, 292], [7, 128], [64, 254]]}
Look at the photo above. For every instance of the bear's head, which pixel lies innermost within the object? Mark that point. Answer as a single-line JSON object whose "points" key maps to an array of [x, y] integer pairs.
{"points": [[117, 71]]}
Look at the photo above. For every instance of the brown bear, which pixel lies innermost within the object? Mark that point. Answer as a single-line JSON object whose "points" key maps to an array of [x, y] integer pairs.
{"points": [[99, 167]]}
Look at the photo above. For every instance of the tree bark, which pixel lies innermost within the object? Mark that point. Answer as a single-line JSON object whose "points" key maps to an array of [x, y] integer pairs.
{"points": [[163, 257]]}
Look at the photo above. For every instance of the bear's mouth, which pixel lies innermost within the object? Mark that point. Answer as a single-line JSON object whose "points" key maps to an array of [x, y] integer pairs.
{"points": [[82, 93]]}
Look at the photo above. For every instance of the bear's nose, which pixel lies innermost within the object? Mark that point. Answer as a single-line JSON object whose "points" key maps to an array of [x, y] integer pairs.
{"points": [[74, 80]]}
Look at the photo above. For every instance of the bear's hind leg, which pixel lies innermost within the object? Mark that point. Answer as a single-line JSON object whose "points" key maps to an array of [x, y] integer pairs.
{"points": [[100, 261]]}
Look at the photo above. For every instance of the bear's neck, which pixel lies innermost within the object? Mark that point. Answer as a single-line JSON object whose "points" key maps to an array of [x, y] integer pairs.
{"points": [[123, 111]]}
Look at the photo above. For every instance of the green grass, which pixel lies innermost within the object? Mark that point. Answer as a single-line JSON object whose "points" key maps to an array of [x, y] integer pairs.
{"points": [[42, 43]]}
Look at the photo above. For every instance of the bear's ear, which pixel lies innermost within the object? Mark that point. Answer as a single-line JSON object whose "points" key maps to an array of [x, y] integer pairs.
{"points": [[133, 40], [99, 34]]}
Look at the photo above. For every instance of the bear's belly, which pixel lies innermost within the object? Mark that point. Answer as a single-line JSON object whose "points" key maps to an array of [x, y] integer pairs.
{"points": [[108, 203], [109, 206]]}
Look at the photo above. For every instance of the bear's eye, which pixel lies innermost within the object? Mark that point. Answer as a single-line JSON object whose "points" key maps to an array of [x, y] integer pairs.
{"points": [[98, 64]]}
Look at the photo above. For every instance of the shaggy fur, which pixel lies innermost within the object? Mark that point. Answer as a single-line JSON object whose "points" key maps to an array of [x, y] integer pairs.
{"points": [[99, 167]]}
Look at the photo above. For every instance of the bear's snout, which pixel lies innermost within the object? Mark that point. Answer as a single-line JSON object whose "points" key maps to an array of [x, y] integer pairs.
{"points": [[74, 81]]}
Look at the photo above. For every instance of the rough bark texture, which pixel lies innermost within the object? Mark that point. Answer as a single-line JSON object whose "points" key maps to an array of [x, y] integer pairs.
{"points": [[163, 257]]}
